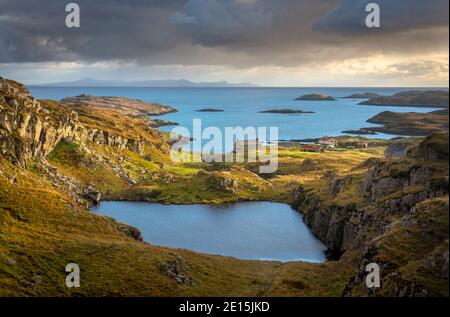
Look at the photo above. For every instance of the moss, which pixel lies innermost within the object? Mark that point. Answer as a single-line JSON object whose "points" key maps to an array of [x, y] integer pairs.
{"points": [[65, 152]]}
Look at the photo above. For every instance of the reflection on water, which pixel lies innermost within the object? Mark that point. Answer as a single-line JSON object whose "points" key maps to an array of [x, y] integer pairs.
{"points": [[256, 230]]}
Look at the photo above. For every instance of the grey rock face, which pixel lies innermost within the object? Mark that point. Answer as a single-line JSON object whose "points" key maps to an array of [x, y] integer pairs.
{"points": [[31, 129]]}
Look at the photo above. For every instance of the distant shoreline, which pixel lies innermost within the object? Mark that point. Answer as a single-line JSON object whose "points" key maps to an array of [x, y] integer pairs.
{"points": [[243, 87]]}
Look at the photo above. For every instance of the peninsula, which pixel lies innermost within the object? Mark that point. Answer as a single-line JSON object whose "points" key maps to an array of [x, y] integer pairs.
{"points": [[413, 98]]}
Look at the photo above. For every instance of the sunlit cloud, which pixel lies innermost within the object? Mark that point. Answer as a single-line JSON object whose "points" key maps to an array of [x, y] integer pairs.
{"points": [[266, 42]]}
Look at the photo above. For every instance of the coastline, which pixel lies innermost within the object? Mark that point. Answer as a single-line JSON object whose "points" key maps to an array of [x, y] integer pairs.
{"points": [[96, 154]]}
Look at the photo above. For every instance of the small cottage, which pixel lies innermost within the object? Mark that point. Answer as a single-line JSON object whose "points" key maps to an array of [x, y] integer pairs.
{"points": [[328, 142]]}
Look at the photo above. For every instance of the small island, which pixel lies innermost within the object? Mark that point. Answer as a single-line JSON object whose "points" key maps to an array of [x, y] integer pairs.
{"points": [[285, 111], [366, 95], [316, 97], [210, 110], [412, 98]]}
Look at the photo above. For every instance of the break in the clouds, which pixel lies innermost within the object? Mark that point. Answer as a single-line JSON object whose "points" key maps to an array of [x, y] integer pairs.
{"points": [[240, 40]]}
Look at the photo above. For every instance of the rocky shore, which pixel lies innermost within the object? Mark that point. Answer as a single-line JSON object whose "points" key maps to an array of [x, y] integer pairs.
{"points": [[129, 107]]}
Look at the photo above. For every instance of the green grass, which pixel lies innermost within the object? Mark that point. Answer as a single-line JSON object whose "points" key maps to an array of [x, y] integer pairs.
{"points": [[42, 228], [42, 232]]}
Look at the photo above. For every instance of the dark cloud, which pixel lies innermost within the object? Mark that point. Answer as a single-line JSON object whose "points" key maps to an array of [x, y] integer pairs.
{"points": [[219, 32], [349, 17], [34, 30]]}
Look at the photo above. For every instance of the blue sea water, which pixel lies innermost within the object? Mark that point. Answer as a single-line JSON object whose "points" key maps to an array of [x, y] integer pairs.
{"points": [[242, 105]]}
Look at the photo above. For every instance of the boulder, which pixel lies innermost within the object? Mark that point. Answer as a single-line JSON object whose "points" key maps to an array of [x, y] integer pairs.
{"points": [[132, 232], [223, 181]]}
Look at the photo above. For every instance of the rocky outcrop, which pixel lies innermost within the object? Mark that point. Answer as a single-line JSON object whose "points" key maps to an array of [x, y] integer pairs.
{"points": [[129, 107], [91, 194], [84, 195], [177, 269], [223, 181], [400, 277], [382, 179], [6, 259], [342, 227], [132, 232], [401, 199], [434, 148], [30, 128], [337, 184], [116, 141], [333, 225]]}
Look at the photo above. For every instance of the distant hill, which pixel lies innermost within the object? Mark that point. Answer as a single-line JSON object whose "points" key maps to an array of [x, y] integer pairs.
{"points": [[92, 82], [366, 95], [413, 98]]}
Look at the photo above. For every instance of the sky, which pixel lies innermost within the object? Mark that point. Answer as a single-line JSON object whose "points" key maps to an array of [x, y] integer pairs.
{"points": [[277, 43]]}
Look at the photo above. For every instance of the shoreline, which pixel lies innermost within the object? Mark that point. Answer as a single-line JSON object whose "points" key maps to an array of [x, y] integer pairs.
{"points": [[327, 252]]}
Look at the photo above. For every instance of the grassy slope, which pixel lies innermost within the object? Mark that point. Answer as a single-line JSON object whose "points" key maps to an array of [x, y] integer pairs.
{"points": [[42, 233], [42, 230]]}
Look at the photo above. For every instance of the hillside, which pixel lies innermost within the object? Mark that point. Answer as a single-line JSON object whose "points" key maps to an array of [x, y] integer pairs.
{"points": [[413, 98], [57, 159], [407, 123], [394, 214]]}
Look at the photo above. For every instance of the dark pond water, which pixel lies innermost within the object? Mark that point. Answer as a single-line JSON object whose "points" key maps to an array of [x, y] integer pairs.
{"points": [[254, 230]]}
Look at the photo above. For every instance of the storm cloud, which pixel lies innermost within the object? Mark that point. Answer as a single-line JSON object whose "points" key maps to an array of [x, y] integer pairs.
{"points": [[231, 33], [404, 15]]}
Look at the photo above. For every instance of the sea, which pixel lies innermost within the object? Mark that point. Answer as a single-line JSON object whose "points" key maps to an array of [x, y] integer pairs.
{"points": [[241, 107]]}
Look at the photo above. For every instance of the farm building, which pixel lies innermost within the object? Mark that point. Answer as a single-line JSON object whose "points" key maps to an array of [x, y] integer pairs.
{"points": [[312, 148]]}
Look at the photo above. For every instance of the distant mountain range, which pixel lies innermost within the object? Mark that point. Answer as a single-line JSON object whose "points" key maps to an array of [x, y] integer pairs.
{"points": [[92, 82]]}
